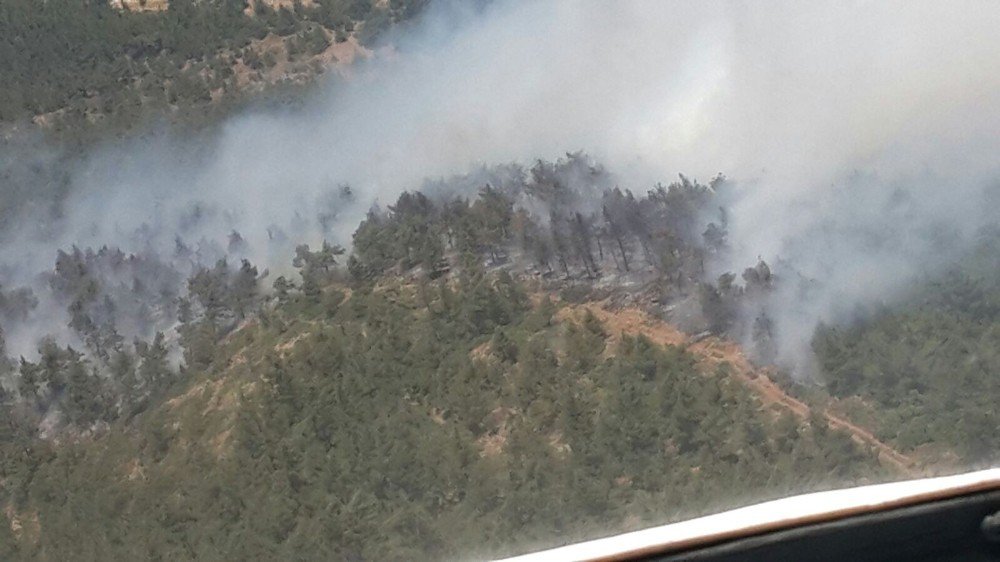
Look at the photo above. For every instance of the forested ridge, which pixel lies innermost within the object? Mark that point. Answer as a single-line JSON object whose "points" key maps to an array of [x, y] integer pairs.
{"points": [[270, 364], [401, 421], [70, 64], [435, 393]]}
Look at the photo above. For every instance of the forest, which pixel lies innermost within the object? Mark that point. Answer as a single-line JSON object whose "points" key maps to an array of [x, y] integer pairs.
{"points": [[928, 366], [523, 355], [436, 392], [395, 420], [80, 63]]}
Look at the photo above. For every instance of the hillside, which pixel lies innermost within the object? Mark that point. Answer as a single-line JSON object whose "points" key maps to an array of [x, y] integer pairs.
{"points": [[479, 376], [71, 64], [373, 280], [404, 421], [924, 371], [712, 352]]}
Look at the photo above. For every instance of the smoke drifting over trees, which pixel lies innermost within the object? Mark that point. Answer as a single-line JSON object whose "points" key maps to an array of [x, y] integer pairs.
{"points": [[480, 292], [859, 142]]}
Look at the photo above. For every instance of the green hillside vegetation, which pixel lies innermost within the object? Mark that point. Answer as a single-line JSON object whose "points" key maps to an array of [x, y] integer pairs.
{"points": [[414, 421], [88, 61], [426, 397], [929, 366]]}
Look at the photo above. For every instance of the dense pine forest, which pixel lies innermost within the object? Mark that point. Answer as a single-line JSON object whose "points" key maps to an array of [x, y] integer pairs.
{"points": [[403, 421], [522, 355], [440, 390], [928, 367], [72, 64]]}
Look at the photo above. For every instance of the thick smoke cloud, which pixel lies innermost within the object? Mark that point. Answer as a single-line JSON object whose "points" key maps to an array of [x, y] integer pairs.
{"points": [[861, 136]]}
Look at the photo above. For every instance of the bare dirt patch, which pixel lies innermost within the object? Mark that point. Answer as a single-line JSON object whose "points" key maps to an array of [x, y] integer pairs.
{"points": [[220, 443], [492, 442], [560, 446], [481, 352], [437, 416], [285, 347], [24, 525], [337, 57], [134, 470], [140, 5], [196, 391]]}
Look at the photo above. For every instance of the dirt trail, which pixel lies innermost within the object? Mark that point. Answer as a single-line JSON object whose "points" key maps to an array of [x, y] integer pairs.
{"points": [[713, 351]]}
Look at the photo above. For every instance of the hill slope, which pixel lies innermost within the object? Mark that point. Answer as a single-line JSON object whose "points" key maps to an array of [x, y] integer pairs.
{"points": [[712, 351], [72, 63], [430, 421], [432, 399]]}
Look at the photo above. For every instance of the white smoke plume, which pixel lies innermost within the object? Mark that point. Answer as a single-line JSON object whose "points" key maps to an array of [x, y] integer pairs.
{"points": [[862, 136]]}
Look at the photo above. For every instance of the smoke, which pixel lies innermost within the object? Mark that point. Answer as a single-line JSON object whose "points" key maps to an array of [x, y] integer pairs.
{"points": [[861, 136]]}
